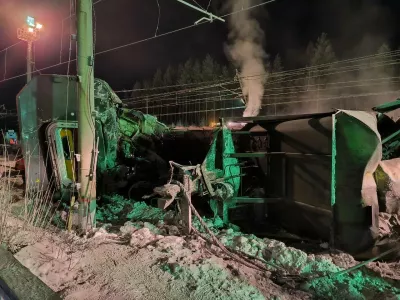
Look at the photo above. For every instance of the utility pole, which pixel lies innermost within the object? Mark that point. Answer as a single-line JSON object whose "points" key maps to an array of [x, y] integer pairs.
{"points": [[29, 62], [29, 34], [87, 148]]}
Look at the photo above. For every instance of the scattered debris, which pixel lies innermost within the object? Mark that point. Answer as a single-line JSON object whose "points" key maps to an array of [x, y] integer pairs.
{"points": [[149, 258]]}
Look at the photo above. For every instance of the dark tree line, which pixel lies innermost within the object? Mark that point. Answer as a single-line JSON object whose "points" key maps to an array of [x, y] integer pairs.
{"points": [[318, 79], [191, 72]]}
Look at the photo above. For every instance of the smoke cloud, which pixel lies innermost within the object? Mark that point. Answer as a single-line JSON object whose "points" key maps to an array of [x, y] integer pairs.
{"points": [[246, 50]]}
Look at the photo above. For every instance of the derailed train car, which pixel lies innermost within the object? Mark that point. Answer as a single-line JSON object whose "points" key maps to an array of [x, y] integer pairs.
{"points": [[331, 176], [47, 111], [319, 173], [314, 174]]}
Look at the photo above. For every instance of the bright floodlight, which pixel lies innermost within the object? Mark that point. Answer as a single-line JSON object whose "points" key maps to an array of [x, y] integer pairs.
{"points": [[30, 29], [39, 26], [30, 21]]}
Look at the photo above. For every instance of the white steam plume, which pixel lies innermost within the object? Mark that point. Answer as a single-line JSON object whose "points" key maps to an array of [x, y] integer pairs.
{"points": [[246, 49]]}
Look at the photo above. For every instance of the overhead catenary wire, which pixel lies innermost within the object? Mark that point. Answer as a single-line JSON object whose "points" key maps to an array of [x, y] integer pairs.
{"points": [[181, 29], [320, 66], [223, 99], [5, 64], [212, 94], [289, 73], [281, 103], [13, 45], [158, 18], [208, 6], [367, 66], [198, 4], [137, 42], [331, 86], [277, 75], [173, 31], [283, 73]]}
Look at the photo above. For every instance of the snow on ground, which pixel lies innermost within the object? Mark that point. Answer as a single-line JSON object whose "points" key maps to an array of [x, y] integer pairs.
{"points": [[146, 266], [143, 260]]}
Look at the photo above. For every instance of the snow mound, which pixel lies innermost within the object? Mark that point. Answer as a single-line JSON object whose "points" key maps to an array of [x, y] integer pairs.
{"points": [[209, 281]]}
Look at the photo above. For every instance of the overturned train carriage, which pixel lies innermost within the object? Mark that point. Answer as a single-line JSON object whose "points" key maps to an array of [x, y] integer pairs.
{"points": [[314, 174], [47, 110], [317, 175]]}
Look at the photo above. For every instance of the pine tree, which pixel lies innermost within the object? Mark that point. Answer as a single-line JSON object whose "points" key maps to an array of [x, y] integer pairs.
{"points": [[126, 94], [385, 69], [207, 68], [185, 72], [169, 76], [321, 54], [383, 66], [196, 72], [217, 71], [384, 48], [274, 82], [310, 52], [158, 78], [323, 51], [136, 89], [225, 73], [146, 85], [276, 65]]}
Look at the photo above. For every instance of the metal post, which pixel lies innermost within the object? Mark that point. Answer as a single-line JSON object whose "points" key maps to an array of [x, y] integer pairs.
{"points": [[86, 123], [29, 62], [29, 34]]}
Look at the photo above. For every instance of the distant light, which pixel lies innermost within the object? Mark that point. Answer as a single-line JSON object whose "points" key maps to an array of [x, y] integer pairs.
{"points": [[30, 21], [230, 124], [39, 26], [30, 29]]}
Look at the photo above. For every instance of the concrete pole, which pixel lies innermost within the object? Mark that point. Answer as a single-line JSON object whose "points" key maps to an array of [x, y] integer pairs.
{"points": [[86, 123], [29, 62]]}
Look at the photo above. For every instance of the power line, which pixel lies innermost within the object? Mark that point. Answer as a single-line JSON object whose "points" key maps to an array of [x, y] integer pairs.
{"points": [[248, 8], [144, 40], [198, 4], [208, 6], [284, 103], [175, 103], [5, 64], [352, 60], [147, 39], [190, 90], [159, 16], [5, 49], [181, 29], [279, 91], [287, 73]]}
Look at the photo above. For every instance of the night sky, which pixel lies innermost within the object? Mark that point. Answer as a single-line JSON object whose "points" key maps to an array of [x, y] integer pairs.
{"points": [[355, 27]]}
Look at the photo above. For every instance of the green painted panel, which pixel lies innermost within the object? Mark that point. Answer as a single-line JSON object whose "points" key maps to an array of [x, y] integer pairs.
{"points": [[357, 152]]}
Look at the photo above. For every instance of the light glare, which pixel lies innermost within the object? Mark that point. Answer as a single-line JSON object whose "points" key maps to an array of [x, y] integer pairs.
{"points": [[30, 21], [30, 29], [39, 26]]}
